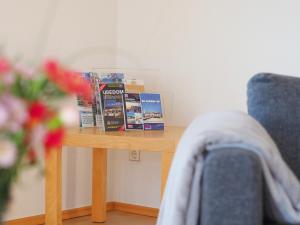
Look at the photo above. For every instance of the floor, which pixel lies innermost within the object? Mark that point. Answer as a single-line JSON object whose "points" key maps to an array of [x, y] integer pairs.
{"points": [[114, 218]]}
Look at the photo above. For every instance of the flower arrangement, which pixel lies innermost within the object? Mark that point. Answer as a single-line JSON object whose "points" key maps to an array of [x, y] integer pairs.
{"points": [[30, 120]]}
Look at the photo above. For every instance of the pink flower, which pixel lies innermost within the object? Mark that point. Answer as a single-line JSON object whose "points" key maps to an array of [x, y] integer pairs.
{"points": [[6, 75], [25, 71], [8, 79], [14, 127], [37, 137], [4, 115], [69, 115], [4, 66], [8, 153], [15, 110], [16, 107]]}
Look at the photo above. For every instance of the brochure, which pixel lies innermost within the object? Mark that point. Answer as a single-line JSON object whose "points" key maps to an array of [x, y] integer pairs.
{"points": [[86, 116], [112, 78], [112, 104], [133, 112], [152, 111]]}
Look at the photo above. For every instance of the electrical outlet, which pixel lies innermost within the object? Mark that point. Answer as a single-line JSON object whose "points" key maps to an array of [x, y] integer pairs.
{"points": [[135, 155]]}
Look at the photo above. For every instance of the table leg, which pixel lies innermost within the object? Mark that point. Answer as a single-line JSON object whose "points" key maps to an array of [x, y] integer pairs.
{"points": [[99, 185], [53, 188], [166, 161]]}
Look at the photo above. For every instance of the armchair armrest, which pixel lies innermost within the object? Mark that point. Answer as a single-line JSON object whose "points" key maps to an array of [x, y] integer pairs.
{"points": [[232, 188]]}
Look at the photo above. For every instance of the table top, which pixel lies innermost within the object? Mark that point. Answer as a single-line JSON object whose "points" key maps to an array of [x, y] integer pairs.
{"points": [[126, 140]]}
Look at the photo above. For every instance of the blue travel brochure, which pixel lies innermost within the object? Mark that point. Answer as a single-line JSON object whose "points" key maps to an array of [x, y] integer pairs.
{"points": [[152, 111]]}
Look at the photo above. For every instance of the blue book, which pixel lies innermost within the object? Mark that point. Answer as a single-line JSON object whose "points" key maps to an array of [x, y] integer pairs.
{"points": [[152, 111]]}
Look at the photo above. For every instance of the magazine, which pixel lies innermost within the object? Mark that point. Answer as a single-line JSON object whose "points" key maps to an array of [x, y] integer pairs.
{"points": [[112, 78], [152, 111], [86, 116], [112, 104], [97, 113], [133, 112]]}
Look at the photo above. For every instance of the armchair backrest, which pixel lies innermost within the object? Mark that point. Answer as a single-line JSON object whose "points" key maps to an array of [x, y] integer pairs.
{"points": [[274, 100]]}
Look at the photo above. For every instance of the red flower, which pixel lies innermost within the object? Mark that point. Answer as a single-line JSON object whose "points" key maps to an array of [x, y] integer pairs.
{"points": [[77, 84], [53, 139], [68, 81], [37, 111], [51, 67], [4, 66]]}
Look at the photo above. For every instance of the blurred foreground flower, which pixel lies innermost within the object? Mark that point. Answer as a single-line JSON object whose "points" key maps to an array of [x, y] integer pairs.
{"points": [[53, 139], [69, 115], [69, 81], [8, 153], [4, 66], [30, 122]]}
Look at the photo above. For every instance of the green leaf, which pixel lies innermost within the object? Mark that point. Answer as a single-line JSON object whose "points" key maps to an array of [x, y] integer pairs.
{"points": [[54, 123], [16, 88], [36, 88], [18, 138]]}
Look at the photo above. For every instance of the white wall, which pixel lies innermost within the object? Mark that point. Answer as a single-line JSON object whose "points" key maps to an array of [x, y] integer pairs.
{"points": [[206, 50], [80, 33], [198, 53]]}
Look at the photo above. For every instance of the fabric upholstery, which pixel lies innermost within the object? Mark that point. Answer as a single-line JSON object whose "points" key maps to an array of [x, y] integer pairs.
{"points": [[274, 100], [232, 178], [232, 189]]}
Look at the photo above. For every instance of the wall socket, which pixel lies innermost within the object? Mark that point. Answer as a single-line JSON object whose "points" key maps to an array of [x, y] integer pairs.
{"points": [[135, 155]]}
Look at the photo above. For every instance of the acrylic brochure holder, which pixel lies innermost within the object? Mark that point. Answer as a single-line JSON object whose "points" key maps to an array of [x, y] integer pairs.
{"points": [[146, 80]]}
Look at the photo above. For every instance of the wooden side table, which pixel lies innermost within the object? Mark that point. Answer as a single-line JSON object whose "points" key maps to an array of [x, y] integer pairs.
{"points": [[164, 142]]}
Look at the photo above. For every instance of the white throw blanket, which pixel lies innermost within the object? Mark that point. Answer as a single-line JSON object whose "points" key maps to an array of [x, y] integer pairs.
{"points": [[227, 129]]}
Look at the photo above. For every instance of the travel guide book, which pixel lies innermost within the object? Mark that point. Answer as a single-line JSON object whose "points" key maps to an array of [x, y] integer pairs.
{"points": [[86, 116], [133, 112], [152, 111], [111, 96]]}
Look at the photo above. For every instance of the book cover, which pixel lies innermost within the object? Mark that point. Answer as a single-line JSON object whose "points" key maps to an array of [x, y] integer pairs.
{"points": [[95, 81], [152, 111], [133, 112], [86, 115], [112, 104], [112, 78]]}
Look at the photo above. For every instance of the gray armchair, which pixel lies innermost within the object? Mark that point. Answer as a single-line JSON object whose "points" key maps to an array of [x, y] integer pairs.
{"points": [[233, 190]]}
